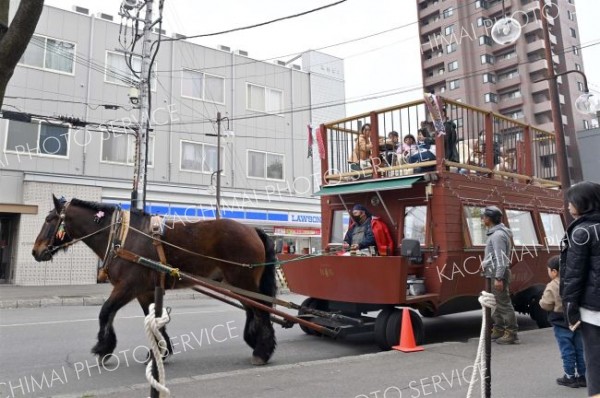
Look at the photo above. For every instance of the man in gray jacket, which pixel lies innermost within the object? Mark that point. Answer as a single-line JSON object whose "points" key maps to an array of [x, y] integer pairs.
{"points": [[496, 265]]}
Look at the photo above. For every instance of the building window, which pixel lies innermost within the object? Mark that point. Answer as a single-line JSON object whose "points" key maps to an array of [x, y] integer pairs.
{"points": [[489, 78], [263, 99], [485, 40], [573, 33], [490, 97], [480, 21], [448, 12], [442, 89], [452, 66], [37, 138], [577, 67], [575, 50], [118, 72], [202, 86], [481, 4], [119, 147], [508, 55], [453, 84], [508, 75], [198, 157], [516, 114], [580, 86], [450, 48], [265, 165], [49, 54], [571, 15], [487, 59], [586, 124], [511, 95], [448, 30], [441, 71]]}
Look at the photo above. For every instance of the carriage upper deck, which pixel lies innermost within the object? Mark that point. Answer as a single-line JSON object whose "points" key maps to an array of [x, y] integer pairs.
{"points": [[519, 152]]}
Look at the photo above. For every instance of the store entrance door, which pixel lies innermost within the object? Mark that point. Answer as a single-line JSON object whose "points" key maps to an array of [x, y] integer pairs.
{"points": [[7, 225]]}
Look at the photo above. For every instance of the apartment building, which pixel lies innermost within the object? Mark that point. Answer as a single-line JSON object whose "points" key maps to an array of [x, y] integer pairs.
{"points": [[461, 61], [75, 67]]}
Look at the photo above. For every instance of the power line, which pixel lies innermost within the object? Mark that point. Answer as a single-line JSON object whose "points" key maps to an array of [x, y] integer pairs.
{"points": [[258, 24]]}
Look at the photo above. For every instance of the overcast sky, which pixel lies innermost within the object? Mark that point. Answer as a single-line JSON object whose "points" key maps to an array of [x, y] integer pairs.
{"points": [[388, 62]]}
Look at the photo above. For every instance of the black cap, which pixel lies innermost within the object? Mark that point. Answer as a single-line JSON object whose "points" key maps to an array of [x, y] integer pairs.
{"points": [[492, 211]]}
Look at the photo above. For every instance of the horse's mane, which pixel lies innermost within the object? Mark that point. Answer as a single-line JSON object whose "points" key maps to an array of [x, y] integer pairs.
{"points": [[96, 206]]}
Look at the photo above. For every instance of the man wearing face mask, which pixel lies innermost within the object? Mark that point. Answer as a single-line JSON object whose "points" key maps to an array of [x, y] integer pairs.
{"points": [[366, 230]]}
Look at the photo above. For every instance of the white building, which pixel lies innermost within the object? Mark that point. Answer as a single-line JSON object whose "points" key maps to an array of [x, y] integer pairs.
{"points": [[73, 67]]}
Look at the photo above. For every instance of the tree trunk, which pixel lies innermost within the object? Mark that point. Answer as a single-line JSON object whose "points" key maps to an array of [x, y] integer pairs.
{"points": [[13, 42]]}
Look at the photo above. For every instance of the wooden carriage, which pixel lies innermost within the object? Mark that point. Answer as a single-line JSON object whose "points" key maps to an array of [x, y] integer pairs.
{"points": [[434, 220]]}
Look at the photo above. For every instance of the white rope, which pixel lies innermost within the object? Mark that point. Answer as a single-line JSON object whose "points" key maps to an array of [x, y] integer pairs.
{"points": [[486, 300], [158, 347]]}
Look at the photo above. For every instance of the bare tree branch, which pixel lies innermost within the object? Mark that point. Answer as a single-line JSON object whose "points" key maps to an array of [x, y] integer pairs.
{"points": [[13, 42]]}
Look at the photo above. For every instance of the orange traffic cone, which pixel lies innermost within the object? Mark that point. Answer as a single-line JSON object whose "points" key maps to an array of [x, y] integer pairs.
{"points": [[407, 337]]}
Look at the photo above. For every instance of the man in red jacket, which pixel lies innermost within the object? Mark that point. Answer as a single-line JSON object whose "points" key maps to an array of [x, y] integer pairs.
{"points": [[366, 230]]}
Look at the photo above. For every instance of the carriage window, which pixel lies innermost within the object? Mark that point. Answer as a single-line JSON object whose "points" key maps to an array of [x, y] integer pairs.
{"points": [[475, 225], [553, 227], [414, 223], [521, 225], [339, 226]]}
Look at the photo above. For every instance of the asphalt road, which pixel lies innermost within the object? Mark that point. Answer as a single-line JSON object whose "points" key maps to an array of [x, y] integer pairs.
{"points": [[46, 351]]}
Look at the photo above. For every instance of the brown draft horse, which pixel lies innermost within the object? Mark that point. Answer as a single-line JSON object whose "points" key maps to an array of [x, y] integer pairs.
{"points": [[220, 239]]}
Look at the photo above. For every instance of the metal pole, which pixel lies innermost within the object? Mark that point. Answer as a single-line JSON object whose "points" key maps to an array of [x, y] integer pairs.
{"points": [[218, 209], [137, 196], [561, 147], [487, 372]]}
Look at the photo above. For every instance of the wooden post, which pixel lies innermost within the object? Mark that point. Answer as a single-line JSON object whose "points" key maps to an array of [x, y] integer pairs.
{"points": [[527, 154], [374, 138], [324, 160], [489, 141]]}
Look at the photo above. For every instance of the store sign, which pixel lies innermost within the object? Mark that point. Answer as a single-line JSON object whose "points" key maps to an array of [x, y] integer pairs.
{"points": [[296, 231], [305, 218]]}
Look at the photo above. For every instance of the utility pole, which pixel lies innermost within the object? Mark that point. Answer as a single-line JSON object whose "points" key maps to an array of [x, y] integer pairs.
{"points": [[138, 196], [559, 130], [218, 197]]}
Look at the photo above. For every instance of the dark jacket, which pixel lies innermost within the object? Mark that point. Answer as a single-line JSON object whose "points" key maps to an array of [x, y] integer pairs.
{"points": [[580, 263], [450, 141], [367, 240]]}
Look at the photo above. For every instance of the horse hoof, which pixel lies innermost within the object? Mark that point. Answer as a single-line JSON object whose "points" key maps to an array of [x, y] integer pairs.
{"points": [[258, 361]]}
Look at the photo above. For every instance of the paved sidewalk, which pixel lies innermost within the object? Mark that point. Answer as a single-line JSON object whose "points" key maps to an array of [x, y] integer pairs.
{"points": [[443, 370], [12, 296]]}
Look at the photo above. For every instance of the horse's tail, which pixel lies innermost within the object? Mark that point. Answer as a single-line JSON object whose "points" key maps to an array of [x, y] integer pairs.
{"points": [[268, 280]]}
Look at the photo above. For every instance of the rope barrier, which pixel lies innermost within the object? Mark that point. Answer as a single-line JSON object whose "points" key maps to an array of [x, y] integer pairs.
{"points": [[152, 326], [487, 300]]}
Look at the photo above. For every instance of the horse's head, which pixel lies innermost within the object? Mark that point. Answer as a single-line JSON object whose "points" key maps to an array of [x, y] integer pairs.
{"points": [[52, 235]]}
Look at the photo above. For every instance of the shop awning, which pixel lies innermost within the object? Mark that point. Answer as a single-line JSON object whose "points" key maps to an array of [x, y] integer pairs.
{"points": [[18, 208], [368, 186]]}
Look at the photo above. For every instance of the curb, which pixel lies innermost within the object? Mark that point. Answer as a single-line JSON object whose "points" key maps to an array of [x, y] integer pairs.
{"points": [[81, 301]]}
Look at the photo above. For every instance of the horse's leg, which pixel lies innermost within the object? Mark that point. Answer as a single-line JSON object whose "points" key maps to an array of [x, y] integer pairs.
{"points": [[250, 328], [265, 337], [145, 300], [107, 340]]}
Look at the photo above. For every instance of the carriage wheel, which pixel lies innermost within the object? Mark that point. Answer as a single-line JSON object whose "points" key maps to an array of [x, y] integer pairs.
{"points": [[393, 328], [312, 303], [380, 328]]}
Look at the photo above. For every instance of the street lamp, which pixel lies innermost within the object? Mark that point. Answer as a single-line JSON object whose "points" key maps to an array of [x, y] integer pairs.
{"points": [[506, 30]]}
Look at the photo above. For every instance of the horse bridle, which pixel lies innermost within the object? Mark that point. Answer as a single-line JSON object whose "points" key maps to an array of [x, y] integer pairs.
{"points": [[61, 221]]}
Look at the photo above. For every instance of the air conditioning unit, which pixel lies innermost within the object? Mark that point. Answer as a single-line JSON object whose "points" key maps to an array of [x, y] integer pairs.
{"points": [[297, 67], [224, 48], [81, 10], [242, 53], [106, 17], [280, 63]]}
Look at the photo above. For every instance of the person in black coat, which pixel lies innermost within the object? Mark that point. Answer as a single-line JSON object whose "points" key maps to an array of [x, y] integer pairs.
{"points": [[450, 139], [580, 274]]}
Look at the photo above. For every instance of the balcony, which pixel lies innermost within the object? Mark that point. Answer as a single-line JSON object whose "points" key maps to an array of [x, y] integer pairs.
{"points": [[502, 63], [531, 26], [435, 60], [546, 126], [541, 107], [539, 86], [509, 103], [534, 46], [538, 65], [506, 83]]}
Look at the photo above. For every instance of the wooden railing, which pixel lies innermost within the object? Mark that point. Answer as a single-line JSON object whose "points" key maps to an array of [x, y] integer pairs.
{"points": [[518, 151]]}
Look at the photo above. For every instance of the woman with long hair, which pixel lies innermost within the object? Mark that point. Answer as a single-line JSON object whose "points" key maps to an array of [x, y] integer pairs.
{"points": [[580, 275]]}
